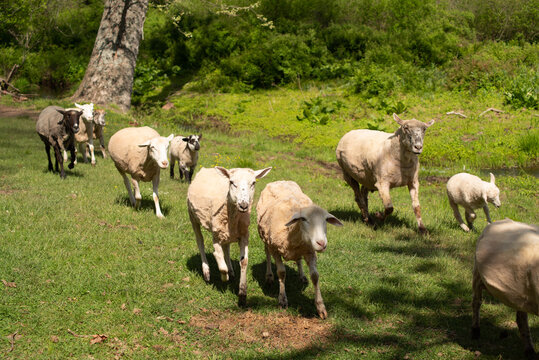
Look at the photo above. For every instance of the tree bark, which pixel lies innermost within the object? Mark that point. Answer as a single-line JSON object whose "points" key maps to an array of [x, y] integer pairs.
{"points": [[109, 76]]}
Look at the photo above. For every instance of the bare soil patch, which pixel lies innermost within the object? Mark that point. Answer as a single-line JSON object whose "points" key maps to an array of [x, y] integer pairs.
{"points": [[6, 111]]}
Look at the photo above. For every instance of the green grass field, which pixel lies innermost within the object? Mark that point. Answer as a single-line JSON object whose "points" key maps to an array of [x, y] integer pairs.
{"points": [[85, 276]]}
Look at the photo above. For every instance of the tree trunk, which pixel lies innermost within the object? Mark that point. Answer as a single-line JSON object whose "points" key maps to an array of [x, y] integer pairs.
{"points": [[109, 76]]}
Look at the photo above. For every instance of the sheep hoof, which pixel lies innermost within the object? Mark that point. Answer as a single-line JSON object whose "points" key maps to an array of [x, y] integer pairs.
{"points": [[423, 230], [160, 216], [380, 216], [283, 302], [323, 313], [93, 164], [224, 276], [476, 333], [242, 300], [71, 165], [465, 228], [206, 273]]}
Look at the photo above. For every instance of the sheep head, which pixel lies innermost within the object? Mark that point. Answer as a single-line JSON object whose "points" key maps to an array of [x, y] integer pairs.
{"points": [[87, 111], [99, 117], [492, 192], [193, 142], [412, 133], [158, 149], [312, 221], [241, 188], [70, 120]]}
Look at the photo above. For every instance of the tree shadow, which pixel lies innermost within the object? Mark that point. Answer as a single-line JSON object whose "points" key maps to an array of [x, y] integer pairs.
{"points": [[145, 204]]}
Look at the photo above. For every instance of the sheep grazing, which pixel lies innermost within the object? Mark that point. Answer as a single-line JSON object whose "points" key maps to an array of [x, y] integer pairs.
{"points": [[57, 128], [472, 193], [374, 160], [220, 200], [184, 150], [292, 228], [142, 153], [507, 266]]}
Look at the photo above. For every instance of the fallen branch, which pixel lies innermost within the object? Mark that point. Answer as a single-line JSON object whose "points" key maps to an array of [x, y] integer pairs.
{"points": [[490, 109], [12, 340], [456, 113], [77, 335]]}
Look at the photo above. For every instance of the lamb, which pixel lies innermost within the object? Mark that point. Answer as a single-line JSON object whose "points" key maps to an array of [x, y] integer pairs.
{"points": [[220, 200], [507, 266], [471, 192], [374, 160], [99, 130], [142, 153], [57, 128], [292, 227], [184, 150]]}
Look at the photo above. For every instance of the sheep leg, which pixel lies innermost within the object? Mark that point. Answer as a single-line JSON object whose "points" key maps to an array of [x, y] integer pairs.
{"points": [[413, 188], [155, 195], [138, 196], [84, 152], [470, 217], [360, 196], [269, 272], [183, 172], [172, 163], [191, 171], [226, 250], [128, 187], [73, 156], [48, 151], [302, 276], [524, 330], [477, 287], [200, 243], [281, 273], [90, 134], [59, 160], [383, 190], [102, 141], [457, 215], [219, 256], [318, 301], [487, 213], [244, 260]]}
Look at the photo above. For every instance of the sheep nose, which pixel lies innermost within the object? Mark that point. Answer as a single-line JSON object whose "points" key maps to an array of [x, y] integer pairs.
{"points": [[164, 163], [243, 206], [322, 244]]}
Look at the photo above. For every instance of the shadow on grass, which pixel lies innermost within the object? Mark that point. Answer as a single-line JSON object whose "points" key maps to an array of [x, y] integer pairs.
{"points": [[194, 264], [145, 204], [354, 215], [71, 173]]}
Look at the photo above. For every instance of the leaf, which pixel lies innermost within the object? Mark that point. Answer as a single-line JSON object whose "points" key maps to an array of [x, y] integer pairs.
{"points": [[96, 339], [9, 284]]}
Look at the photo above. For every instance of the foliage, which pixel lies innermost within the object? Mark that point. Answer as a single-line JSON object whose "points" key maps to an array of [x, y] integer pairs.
{"points": [[319, 110], [524, 91]]}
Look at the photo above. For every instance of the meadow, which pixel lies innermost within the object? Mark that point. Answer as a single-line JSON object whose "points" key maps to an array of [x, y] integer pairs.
{"points": [[85, 276]]}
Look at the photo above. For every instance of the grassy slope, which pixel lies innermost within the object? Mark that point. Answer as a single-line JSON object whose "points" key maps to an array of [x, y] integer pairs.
{"points": [[83, 260]]}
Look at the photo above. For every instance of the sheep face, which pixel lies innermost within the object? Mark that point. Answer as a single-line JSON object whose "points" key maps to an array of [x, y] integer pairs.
{"points": [[87, 111], [158, 149], [493, 193], [99, 117], [312, 221], [70, 120], [412, 133], [242, 185], [193, 142]]}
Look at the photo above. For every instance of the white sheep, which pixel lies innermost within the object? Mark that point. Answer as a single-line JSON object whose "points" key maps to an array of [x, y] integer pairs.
{"points": [[378, 161], [142, 153], [471, 192], [184, 150], [292, 228], [507, 266], [220, 200]]}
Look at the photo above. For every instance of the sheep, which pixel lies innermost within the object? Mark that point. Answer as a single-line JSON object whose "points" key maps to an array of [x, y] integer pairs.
{"points": [[142, 153], [220, 200], [471, 192], [374, 160], [184, 150], [57, 127], [99, 125], [507, 266], [292, 228]]}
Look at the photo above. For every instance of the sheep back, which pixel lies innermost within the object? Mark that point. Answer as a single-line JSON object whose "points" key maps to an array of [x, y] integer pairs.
{"points": [[466, 189], [278, 202], [507, 258], [207, 198], [370, 155], [47, 126], [130, 158]]}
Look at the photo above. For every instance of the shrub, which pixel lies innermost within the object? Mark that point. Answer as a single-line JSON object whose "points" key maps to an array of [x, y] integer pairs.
{"points": [[319, 110], [523, 92]]}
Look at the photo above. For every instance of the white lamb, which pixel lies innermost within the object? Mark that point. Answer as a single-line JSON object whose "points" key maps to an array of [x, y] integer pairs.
{"points": [[471, 192], [507, 266], [184, 150], [142, 153], [292, 228], [220, 200]]}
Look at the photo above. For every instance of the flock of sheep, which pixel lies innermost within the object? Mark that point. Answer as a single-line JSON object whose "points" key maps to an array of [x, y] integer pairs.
{"points": [[291, 226]]}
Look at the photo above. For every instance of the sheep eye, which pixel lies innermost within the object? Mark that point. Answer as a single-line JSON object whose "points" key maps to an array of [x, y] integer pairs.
{"points": [[232, 183], [253, 183]]}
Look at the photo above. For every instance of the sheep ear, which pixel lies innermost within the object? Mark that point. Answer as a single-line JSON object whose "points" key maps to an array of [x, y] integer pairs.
{"points": [[333, 220], [397, 119], [78, 105], [223, 171], [61, 111], [492, 178], [199, 137], [295, 218], [79, 113], [259, 174], [185, 139], [430, 123], [170, 137], [145, 144]]}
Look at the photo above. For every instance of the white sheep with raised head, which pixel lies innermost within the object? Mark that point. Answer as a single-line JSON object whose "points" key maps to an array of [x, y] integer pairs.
{"points": [[184, 150], [220, 200], [378, 161], [292, 228], [507, 266], [142, 153], [470, 192]]}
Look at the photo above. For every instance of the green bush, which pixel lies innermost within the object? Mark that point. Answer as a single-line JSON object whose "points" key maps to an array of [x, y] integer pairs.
{"points": [[319, 110], [524, 91]]}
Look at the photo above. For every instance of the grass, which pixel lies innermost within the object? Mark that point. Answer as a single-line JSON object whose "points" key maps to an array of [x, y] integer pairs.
{"points": [[85, 263]]}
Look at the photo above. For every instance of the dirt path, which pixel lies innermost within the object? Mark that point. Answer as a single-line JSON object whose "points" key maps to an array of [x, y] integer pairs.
{"points": [[6, 111]]}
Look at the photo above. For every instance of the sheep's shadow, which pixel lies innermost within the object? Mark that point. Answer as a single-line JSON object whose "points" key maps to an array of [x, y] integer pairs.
{"points": [[194, 264], [297, 300], [145, 204], [353, 215], [68, 172]]}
